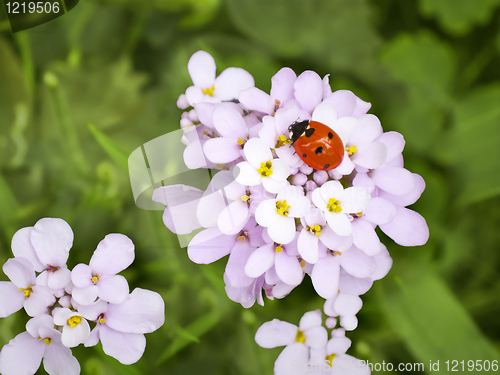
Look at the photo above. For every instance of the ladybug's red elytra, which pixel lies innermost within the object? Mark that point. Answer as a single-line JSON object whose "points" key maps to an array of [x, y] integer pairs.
{"points": [[317, 144]]}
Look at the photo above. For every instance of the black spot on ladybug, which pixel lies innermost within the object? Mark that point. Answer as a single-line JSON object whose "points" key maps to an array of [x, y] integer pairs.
{"points": [[304, 155], [326, 166], [309, 132], [330, 135], [319, 150]]}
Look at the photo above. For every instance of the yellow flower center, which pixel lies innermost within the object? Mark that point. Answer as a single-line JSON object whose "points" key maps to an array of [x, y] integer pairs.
{"points": [[265, 169], [95, 278], [209, 91], [300, 337], [242, 236], [302, 263], [240, 141], [315, 229], [329, 359], [282, 207], [74, 321], [27, 292], [279, 249], [46, 340], [282, 140], [245, 198], [351, 150], [333, 205]]}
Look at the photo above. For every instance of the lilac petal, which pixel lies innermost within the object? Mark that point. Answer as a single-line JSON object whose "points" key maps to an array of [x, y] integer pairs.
{"points": [[408, 228], [94, 336], [370, 155], [233, 218], [273, 186], [352, 285], [257, 100], [35, 325], [282, 84], [222, 150], [288, 268], [142, 312], [113, 254], [52, 239], [346, 304], [397, 181], [193, 155], [260, 260], [236, 263], [411, 197], [210, 207], [334, 241], [325, 277], [209, 245], [308, 89], [326, 114], [21, 247], [347, 365], [356, 263], [384, 264], [363, 180], [365, 238], [281, 290], [361, 109], [127, 348], [194, 95], [58, 359], [12, 299], [283, 230], [368, 130], [246, 174], [13, 358], [395, 144], [59, 279], [231, 82], [356, 198], [81, 275], [85, 295], [275, 333], [310, 319], [229, 122], [307, 244], [38, 301], [205, 111], [20, 271], [379, 211], [201, 68], [92, 311], [113, 289], [345, 128], [293, 357], [316, 337], [339, 223], [344, 102]]}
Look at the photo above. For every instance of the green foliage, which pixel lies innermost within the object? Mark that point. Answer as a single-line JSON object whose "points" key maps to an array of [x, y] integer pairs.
{"points": [[120, 65]]}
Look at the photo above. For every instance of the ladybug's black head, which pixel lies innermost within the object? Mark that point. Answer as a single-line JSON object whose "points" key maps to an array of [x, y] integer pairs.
{"points": [[297, 129]]}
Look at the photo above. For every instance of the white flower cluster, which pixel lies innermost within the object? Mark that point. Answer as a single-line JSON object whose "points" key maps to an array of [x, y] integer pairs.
{"points": [[61, 303], [278, 214]]}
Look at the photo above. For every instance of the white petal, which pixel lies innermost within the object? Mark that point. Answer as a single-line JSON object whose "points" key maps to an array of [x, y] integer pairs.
{"points": [[283, 230], [311, 319], [293, 358], [356, 199], [113, 254], [368, 130], [142, 312], [85, 295], [266, 214], [345, 128], [260, 260], [52, 239], [246, 174], [281, 170], [201, 67], [288, 268], [316, 337], [127, 348], [232, 219], [346, 304], [273, 186], [344, 101], [275, 333], [256, 152], [231, 82], [74, 336], [326, 114], [307, 244], [39, 300], [339, 223]]}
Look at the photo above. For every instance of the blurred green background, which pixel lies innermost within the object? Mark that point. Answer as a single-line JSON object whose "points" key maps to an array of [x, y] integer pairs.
{"points": [[429, 67]]}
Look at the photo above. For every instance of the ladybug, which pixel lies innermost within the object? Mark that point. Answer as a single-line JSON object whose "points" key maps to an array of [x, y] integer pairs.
{"points": [[317, 144]]}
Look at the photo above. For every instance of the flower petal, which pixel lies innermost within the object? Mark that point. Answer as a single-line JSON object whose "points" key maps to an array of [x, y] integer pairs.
{"points": [[142, 312], [325, 277], [275, 333], [408, 228], [233, 218], [201, 68], [58, 359], [283, 230], [260, 260], [394, 180], [52, 239], [365, 238], [13, 358], [282, 84], [257, 100], [113, 254], [113, 289], [307, 243], [288, 268], [294, 357], [231, 82], [308, 89], [356, 263], [127, 348], [12, 299], [20, 271], [246, 174], [229, 122], [210, 245], [21, 247]]}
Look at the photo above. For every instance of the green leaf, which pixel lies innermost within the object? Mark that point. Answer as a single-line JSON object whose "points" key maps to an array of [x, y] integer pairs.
{"points": [[459, 17], [423, 63], [112, 148], [477, 136], [332, 32], [430, 320]]}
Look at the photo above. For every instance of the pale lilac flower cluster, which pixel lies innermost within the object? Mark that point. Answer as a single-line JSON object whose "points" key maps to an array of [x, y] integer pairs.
{"points": [[277, 217], [61, 303]]}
